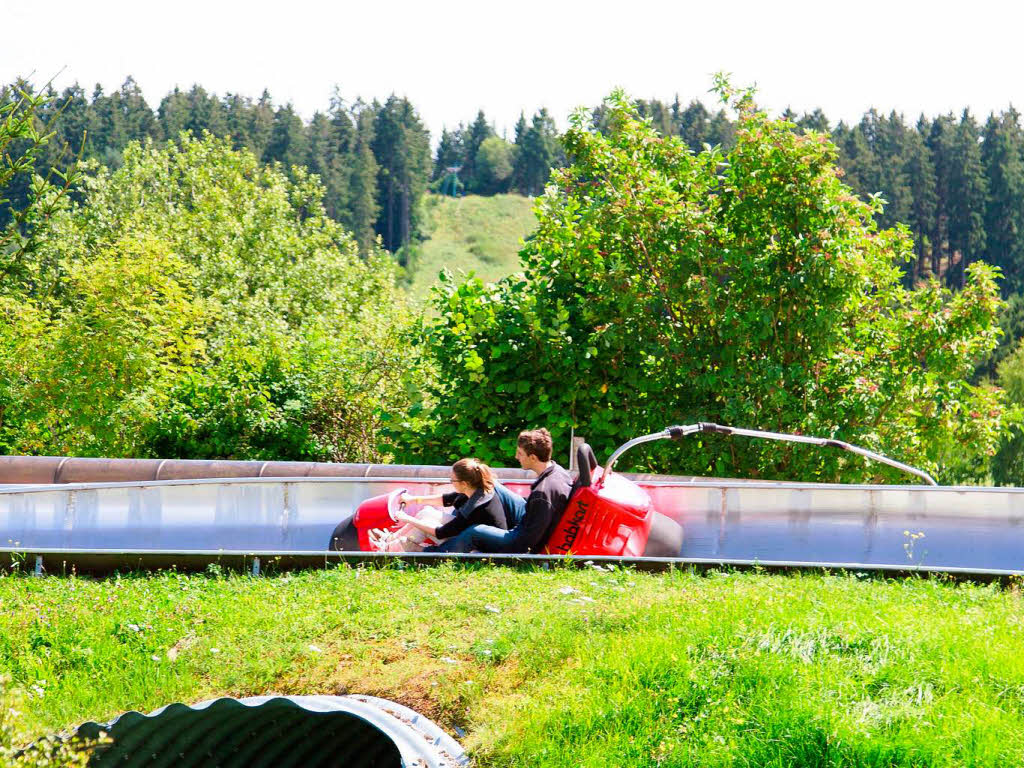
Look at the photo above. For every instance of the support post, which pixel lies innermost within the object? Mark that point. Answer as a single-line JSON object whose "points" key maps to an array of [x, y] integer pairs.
{"points": [[577, 441]]}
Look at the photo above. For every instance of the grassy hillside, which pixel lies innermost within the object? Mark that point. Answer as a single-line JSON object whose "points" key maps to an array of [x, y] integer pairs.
{"points": [[482, 234], [594, 667]]}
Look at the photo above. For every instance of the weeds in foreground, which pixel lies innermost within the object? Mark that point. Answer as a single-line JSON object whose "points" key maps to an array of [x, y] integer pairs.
{"points": [[593, 666], [18, 750]]}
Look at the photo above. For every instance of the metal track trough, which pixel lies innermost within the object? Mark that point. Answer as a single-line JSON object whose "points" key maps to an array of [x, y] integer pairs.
{"points": [[189, 523]]}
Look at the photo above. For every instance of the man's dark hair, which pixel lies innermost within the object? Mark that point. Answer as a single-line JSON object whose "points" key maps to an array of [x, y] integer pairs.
{"points": [[536, 442]]}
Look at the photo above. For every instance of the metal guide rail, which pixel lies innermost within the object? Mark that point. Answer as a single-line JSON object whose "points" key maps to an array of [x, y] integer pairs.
{"points": [[287, 523], [102, 562]]}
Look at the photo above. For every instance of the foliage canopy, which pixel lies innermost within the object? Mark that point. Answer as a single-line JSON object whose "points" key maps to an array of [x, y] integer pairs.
{"points": [[751, 288], [199, 304]]}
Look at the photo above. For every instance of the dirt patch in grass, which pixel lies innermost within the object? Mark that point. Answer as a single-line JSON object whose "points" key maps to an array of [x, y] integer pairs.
{"points": [[444, 688]]}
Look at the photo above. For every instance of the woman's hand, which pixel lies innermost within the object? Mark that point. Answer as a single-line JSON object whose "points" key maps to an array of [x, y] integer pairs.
{"points": [[403, 517], [405, 498]]}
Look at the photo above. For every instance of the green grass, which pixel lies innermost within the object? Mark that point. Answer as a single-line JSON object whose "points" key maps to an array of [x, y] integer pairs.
{"points": [[480, 234], [555, 668]]}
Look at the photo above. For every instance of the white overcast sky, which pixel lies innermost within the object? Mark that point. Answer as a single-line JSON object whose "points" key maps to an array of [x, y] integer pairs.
{"points": [[451, 58]]}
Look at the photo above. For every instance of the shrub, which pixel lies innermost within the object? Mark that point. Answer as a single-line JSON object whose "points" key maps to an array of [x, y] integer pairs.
{"points": [[751, 288]]}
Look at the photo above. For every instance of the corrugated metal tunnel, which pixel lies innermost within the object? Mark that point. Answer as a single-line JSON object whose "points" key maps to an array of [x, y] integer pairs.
{"points": [[351, 731]]}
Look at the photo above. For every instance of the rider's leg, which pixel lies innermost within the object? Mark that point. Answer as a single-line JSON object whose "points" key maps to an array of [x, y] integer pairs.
{"points": [[487, 538], [462, 542]]}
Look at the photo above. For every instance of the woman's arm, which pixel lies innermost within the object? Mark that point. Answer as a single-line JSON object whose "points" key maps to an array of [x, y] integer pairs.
{"points": [[431, 501], [428, 529], [439, 500], [453, 527]]}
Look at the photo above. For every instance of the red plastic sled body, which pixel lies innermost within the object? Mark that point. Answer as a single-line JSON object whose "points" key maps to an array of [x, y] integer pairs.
{"points": [[611, 518]]}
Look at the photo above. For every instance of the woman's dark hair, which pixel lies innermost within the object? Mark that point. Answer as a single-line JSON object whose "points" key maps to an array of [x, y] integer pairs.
{"points": [[536, 442], [475, 473]]}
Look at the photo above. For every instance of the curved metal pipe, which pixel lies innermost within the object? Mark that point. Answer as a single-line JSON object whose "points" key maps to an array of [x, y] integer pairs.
{"points": [[678, 432], [286, 730]]}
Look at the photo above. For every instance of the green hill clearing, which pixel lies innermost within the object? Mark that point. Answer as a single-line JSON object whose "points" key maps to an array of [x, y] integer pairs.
{"points": [[479, 234]]}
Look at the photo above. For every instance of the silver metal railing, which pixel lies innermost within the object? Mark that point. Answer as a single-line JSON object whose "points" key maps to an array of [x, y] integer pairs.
{"points": [[678, 432]]}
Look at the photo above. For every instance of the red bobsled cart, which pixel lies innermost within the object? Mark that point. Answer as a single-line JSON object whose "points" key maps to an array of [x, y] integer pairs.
{"points": [[607, 514]]}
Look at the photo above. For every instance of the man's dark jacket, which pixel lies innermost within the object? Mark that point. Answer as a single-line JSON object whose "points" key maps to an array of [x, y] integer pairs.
{"points": [[549, 495]]}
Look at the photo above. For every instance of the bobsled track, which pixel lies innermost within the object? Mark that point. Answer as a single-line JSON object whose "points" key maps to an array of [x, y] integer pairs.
{"points": [[97, 515]]}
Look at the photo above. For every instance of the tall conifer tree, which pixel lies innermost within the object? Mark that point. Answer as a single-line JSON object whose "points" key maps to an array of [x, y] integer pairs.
{"points": [[1003, 160], [967, 205], [692, 125], [288, 143], [479, 131], [940, 142], [401, 146], [920, 174], [363, 209]]}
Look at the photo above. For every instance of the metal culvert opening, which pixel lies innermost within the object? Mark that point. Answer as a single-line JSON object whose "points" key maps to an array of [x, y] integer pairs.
{"points": [[351, 731]]}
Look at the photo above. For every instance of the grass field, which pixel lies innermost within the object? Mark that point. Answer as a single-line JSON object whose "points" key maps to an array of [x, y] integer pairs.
{"points": [[555, 668], [482, 234]]}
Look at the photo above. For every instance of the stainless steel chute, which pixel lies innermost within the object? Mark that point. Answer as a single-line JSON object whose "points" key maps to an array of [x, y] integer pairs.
{"points": [[725, 521]]}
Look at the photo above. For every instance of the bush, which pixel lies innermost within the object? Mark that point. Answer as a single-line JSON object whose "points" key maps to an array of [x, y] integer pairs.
{"points": [[199, 304], [750, 288]]}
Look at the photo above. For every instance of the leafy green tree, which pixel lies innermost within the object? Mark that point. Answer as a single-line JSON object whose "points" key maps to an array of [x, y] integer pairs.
{"points": [[126, 324], [1008, 463], [32, 194], [493, 171], [749, 288], [200, 304]]}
